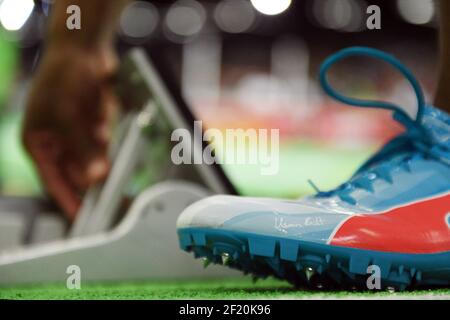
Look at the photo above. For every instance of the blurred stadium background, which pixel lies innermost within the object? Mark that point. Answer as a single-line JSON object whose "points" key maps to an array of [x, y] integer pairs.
{"points": [[248, 64]]}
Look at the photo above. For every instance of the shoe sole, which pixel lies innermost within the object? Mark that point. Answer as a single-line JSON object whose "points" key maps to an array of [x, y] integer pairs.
{"points": [[314, 265]]}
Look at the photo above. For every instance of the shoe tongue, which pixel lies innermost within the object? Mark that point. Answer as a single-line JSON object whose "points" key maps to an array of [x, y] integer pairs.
{"points": [[437, 124]]}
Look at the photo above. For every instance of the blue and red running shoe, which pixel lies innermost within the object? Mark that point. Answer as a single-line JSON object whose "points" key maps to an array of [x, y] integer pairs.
{"points": [[393, 214]]}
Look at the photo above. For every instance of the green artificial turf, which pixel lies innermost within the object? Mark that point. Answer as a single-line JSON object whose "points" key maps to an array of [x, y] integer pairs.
{"points": [[235, 288]]}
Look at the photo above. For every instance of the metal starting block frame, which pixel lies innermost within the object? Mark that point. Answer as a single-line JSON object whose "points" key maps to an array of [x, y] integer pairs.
{"points": [[144, 243]]}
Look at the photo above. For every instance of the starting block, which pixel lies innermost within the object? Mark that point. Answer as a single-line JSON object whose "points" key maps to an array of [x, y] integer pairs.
{"points": [[125, 230]]}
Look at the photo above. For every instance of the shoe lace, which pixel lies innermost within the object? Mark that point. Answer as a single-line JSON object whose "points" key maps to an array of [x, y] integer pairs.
{"points": [[416, 141]]}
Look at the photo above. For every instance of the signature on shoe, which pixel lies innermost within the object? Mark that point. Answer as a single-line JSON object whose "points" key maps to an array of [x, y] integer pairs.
{"points": [[283, 226]]}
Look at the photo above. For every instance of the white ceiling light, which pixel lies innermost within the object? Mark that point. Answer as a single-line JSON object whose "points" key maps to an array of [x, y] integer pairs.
{"points": [[14, 13], [271, 7]]}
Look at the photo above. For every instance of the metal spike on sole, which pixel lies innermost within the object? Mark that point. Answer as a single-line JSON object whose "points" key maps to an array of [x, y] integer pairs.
{"points": [[391, 289], [309, 272], [206, 262], [226, 258]]}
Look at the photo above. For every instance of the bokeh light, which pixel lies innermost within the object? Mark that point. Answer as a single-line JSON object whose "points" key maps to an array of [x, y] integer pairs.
{"points": [[14, 13], [416, 11], [342, 15], [138, 21], [271, 7], [185, 18], [234, 16]]}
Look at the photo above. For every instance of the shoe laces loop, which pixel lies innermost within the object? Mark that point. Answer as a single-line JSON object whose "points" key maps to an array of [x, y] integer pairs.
{"points": [[378, 54], [415, 141]]}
